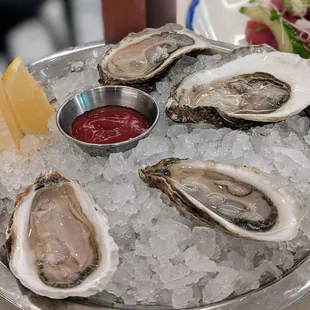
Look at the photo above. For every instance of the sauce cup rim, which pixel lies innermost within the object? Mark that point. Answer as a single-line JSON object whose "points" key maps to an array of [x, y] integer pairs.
{"points": [[117, 144]]}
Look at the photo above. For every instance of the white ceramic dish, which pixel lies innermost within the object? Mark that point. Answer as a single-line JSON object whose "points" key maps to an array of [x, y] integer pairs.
{"points": [[218, 20]]}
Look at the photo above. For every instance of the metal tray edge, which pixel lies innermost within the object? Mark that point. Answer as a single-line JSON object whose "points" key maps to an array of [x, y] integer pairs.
{"points": [[16, 295]]}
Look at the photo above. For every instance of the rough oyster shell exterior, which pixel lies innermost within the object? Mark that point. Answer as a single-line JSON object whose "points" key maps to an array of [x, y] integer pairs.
{"points": [[244, 61], [147, 80], [191, 183]]}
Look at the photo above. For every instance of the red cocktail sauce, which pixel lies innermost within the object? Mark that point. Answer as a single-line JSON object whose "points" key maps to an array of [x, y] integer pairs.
{"points": [[109, 124]]}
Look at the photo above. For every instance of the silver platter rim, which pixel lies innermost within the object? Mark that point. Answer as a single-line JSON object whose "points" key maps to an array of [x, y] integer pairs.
{"points": [[292, 287]]}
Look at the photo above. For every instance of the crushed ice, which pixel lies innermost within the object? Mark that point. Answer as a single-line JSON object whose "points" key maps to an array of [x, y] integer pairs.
{"points": [[165, 258]]}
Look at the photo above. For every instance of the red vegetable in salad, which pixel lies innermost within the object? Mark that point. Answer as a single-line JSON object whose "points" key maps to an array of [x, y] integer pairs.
{"points": [[258, 33], [277, 4]]}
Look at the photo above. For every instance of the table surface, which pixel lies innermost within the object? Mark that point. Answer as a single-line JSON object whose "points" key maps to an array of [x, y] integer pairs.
{"points": [[301, 305]]}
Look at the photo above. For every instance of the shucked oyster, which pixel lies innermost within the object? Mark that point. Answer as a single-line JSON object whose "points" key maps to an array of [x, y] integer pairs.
{"points": [[239, 200], [57, 240], [142, 58], [252, 89]]}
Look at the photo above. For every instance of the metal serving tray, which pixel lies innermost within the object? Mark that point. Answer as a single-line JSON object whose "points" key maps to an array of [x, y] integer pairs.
{"points": [[293, 286]]}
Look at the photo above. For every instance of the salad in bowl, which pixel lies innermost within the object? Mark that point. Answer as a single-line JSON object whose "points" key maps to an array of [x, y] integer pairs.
{"points": [[282, 24]]}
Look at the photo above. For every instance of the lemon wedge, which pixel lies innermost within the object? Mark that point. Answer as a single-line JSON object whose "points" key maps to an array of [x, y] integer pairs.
{"points": [[10, 133], [28, 100]]}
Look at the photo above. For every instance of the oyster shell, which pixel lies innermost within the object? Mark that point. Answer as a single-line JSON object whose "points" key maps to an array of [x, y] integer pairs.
{"points": [[57, 240], [256, 88], [241, 201], [142, 58]]}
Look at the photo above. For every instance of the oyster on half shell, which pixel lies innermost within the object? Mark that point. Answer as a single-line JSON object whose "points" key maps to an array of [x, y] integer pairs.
{"points": [[142, 58], [57, 240], [241, 201], [256, 88]]}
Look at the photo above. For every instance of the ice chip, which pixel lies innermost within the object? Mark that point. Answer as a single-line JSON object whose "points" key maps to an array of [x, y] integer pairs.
{"points": [[76, 66], [181, 297]]}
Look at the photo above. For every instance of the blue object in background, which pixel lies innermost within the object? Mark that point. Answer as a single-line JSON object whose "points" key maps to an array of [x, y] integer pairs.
{"points": [[190, 14]]}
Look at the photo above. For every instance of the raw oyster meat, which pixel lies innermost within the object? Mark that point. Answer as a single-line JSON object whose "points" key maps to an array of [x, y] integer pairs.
{"points": [[252, 89], [142, 58], [241, 201], [57, 240]]}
